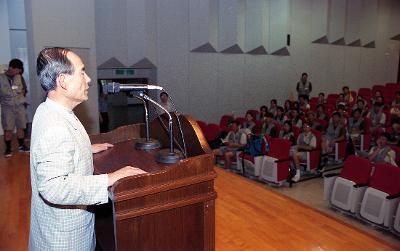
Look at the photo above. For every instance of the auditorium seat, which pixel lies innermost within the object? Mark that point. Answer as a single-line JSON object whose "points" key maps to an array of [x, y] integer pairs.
{"points": [[241, 120], [212, 131], [346, 191], [382, 196], [224, 121], [313, 157], [377, 87], [396, 224], [365, 93], [254, 113], [251, 165], [203, 126], [276, 165]]}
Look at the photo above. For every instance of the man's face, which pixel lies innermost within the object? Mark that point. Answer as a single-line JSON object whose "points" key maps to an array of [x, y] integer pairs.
{"points": [[77, 84], [336, 119], [306, 128], [13, 71], [382, 141], [304, 78], [357, 115], [235, 127], [164, 98]]}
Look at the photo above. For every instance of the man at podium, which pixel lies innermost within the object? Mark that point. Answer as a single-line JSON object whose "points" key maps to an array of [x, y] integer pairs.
{"points": [[61, 159]]}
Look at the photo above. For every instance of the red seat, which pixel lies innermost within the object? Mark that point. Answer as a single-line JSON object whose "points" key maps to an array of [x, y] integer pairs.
{"points": [[202, 125], [377, 88], [224, 121], [382, 196], [254, 113], [276, 165], [251, 165], [212, 131], [365, 93], [346, 191], [241, 120]]}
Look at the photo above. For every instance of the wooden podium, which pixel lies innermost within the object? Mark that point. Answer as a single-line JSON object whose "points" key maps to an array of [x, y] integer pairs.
{"points": [[171, 207]]}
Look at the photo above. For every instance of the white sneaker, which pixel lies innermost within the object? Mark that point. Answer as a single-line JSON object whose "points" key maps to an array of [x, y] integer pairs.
{"points": [[297, 176]]}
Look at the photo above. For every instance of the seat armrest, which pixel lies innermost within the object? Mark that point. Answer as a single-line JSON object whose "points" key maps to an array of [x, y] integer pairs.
{"points": [[360, 185], [329, 175], [394, 196], [282, 160]]}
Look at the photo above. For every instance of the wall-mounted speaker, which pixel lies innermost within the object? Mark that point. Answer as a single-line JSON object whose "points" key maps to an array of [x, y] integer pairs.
{"points": [[288, 40]]}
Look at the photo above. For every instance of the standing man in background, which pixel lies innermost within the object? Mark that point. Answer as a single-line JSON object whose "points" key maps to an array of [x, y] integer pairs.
{"points": [[61, 161], [304, 87], [12, 101]]}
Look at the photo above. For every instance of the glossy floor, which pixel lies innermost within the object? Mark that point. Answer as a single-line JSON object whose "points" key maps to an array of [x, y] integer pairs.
{"points": [[249, 216]]}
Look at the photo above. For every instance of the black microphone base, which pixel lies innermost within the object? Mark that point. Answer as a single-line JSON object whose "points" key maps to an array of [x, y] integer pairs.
{"points": [[144, 144], [166, 157]]}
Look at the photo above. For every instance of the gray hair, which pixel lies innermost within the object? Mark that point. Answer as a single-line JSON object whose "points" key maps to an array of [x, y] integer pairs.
{"points": [[50, 63]]}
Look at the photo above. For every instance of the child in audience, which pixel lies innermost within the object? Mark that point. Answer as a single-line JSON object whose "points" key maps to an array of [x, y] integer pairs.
{"points": [[334, 133], [305, 142], [356, 126], [321, 99], [382, 152], [395, 134], [287, 106], [287, 132], [263, 111], [249, 123], [280, 116], [378, 119], [268, 126], [303, 103], [362, 106], [295, 118], [273, 106], [321, 112], [235, 140], [312, 122], [348, 98]]}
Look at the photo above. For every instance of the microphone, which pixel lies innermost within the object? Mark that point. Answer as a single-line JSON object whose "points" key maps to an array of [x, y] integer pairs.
{"points": [[117, 87]]}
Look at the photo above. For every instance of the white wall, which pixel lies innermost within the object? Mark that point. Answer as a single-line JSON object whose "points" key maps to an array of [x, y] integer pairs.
{"points": [[208, 85], [68, 24]]}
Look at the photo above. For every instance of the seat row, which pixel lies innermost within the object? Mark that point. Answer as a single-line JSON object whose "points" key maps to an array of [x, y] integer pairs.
{"points": [[366, 191]]}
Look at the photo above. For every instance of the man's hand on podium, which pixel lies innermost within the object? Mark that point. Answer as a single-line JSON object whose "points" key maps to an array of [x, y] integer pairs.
{"points": [[96, 148], [122, 173]]}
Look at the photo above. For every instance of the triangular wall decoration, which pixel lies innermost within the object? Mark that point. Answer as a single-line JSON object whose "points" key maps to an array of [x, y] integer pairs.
{"points": [[144, 63], [112, 63], [321, 40], [205, 48], [370, 45], [355, 43], [340, 41], [234, 49], [281, 52], [260, 50]]}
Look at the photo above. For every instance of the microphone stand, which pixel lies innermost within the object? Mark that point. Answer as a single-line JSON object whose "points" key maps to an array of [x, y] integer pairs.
{"points": [[146, 143], [166, 156]]}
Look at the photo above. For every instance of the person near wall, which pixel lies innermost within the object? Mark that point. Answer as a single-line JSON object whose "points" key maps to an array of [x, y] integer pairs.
{"points": [[61, 160], [304, 87], [13, 110]]}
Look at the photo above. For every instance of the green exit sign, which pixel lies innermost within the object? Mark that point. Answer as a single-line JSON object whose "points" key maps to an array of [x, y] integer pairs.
{"points": [[119, 72], [124, 71]]}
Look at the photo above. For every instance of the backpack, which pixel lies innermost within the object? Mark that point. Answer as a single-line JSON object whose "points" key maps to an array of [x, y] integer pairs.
{"points": [[255, 146]]}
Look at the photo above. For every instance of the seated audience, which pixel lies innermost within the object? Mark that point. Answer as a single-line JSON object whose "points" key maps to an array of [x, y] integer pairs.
{"points": [[378, 119], [394, 133], [395, 109], [340, 101], [305, 142], [287, 132], [375, 96], [263, 111], [273, 106], [321, 99], [287, 106], [356, 126], [382, 152], [280, 116], [321, 112], [334, 133], [304, 103], [234, 141], [311, 116], [348, 98], [360, 104], [249, 123], [295, 118], [268, 126]]}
